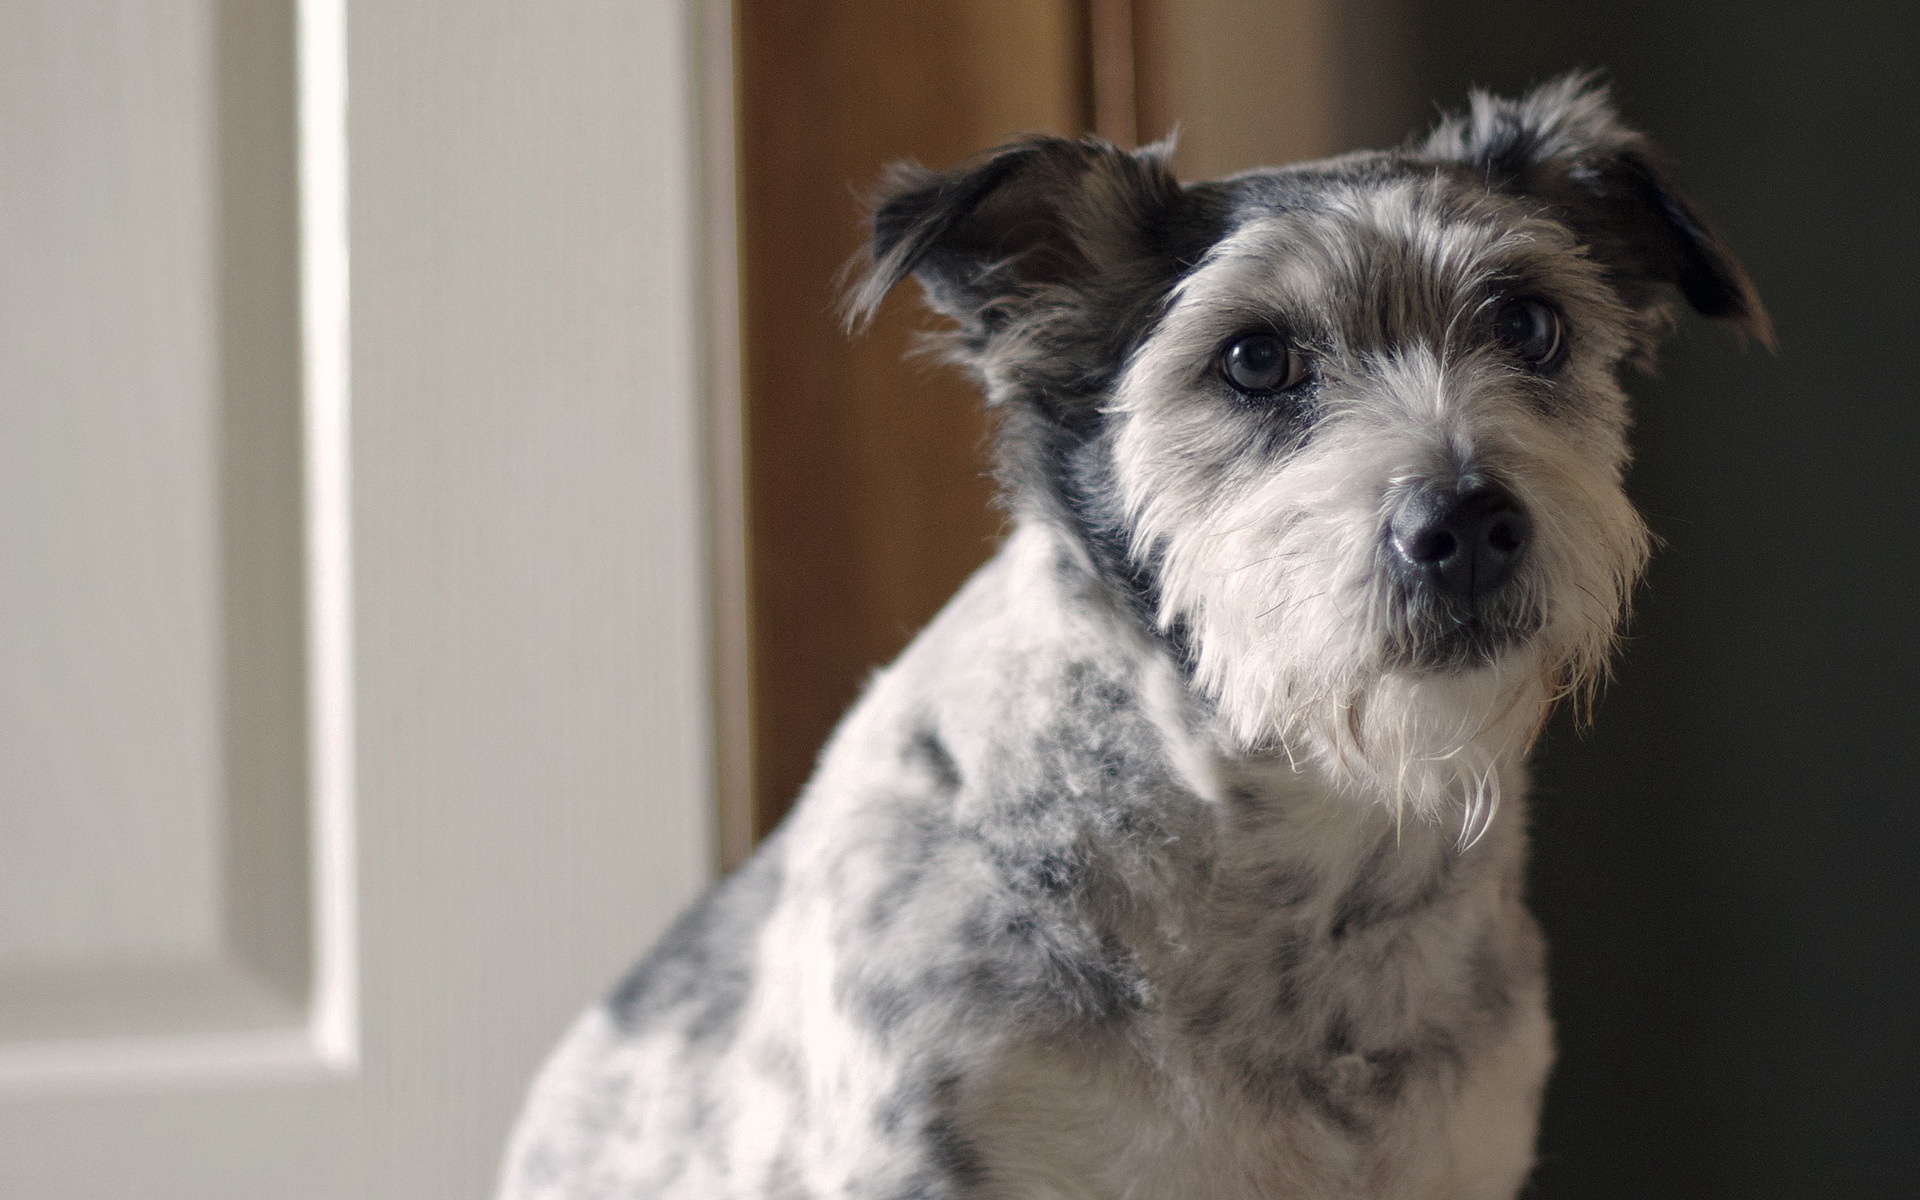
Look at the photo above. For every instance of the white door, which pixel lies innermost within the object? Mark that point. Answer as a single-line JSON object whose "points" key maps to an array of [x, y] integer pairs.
{"points": [[353, 635]]}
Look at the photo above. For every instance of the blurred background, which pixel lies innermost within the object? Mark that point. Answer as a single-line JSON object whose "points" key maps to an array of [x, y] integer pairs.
{"points": [[447, 518]]}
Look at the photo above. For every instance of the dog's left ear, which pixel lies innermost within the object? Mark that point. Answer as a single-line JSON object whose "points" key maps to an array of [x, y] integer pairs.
{"points": [[1564, 143], [991, 237]]}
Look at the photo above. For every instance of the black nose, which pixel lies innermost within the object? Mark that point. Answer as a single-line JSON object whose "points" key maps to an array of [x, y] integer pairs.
{"points": [[1463, 543]]}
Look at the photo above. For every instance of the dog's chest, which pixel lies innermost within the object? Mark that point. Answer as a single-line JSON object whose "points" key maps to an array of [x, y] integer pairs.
{"points": [[1338, 1009], [1063, 1126]]}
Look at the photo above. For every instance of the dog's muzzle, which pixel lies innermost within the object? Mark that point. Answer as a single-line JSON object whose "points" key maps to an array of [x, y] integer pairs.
{"points": [[1455, 550]]}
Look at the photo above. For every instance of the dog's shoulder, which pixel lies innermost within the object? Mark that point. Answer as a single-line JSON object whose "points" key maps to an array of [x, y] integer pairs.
{"points": [[962, 828], [945, 887], [639, 1065]]}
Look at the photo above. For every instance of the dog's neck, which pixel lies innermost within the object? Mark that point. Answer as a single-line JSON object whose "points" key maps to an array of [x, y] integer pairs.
{"points": [[1038, 663]]}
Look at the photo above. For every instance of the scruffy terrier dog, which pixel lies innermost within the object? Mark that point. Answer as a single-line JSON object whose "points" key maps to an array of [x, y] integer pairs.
{"points": [[1181, 856]]}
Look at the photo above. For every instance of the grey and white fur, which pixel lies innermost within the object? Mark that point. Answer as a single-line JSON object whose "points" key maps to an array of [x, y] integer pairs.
{"points": [[1181, 855]]}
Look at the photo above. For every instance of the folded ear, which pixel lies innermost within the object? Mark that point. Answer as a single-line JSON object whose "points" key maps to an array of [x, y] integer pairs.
{"points": [[1564, 143], [991, 236]]}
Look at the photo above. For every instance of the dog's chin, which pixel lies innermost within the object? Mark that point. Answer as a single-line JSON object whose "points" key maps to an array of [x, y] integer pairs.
{"points": [[1450, 641], [1426, 711], [1431, 737]]}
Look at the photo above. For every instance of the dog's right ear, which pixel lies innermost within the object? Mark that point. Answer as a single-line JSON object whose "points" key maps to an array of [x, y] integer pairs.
{"points": [[990, 237], [1564, 143]]}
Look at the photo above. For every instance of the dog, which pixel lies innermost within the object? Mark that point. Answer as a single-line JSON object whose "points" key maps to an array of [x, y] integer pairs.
{"points": [[1182, 854]]}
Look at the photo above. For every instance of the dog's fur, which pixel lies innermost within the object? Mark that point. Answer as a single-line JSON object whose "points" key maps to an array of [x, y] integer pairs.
{"points": [[1181, 856]]}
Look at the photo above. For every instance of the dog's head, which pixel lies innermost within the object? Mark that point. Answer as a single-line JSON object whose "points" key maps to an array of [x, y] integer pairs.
{"points": [[1349, 433]]}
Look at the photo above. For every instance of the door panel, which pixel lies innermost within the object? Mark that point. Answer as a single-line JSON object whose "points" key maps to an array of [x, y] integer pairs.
{"points": [[154, 876]]}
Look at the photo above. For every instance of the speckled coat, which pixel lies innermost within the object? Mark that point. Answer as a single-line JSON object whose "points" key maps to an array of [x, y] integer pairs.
{"points": [[1067, 912]]}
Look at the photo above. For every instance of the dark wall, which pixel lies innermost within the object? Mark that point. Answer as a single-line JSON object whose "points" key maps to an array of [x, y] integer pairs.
{"points": [[1729, 864]]}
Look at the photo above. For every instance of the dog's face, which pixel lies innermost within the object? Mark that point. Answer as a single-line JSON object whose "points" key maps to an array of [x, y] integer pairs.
{"points": [[1351, 433]]}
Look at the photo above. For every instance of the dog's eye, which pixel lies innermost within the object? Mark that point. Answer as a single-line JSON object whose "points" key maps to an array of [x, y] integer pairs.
{"points": [[1531, 329], [1260, 364]]}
